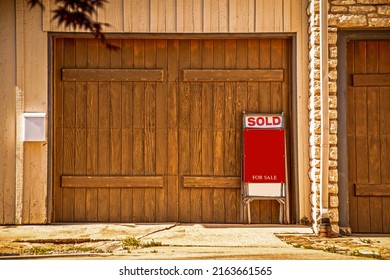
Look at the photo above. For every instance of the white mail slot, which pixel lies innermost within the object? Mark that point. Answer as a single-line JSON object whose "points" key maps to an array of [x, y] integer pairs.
{"points": [[34, 127]]}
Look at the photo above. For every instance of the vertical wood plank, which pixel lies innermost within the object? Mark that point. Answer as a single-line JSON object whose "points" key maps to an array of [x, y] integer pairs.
{"points": [[173, 128], [115, 134], [384, 67], [139, 16], [113, 13], [68, 168], [223, 15], [139, 132], [361, 138], [104, 135], [192, 16], [195, 151], [173, 150], [91, 195], [150, 131], [244, 18], [231, 165], [218, 131], [196, 133], [81, 136], [265, 88], [171, 16], [278, 15], [69, 132], [207, 135], [80, 149], [232, 18], [373, 139], [162, 133], [184, 99], [287, 15], [180, 15], [184, 151], [58, 127], [157, 15], [126, 199], [353, 219]]}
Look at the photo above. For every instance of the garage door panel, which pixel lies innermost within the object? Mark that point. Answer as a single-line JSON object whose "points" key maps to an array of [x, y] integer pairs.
{"points": [[173, 128]]}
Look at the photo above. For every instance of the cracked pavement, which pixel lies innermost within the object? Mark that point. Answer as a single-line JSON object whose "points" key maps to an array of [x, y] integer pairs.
{"points": [[174, 241]]}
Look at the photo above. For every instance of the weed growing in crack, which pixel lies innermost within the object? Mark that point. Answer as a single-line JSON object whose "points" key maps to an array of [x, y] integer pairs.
{"points": [[331, 249], [151, 244], [131, 242], [39, 250]]}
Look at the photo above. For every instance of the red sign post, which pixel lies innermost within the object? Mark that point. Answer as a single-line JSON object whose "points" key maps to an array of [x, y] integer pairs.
{"points": [[264, 159]]}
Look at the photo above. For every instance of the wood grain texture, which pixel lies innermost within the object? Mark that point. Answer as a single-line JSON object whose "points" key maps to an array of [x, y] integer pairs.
{"points": [[366, 80], [190, 16], [113, 75], [233, 75], [368, 105], [211, 182], [169, 150]]}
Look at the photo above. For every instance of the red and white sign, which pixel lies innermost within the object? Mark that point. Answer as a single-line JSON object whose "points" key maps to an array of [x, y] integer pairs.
{"points": [[264, 156], [263, 121], [264, 159]]}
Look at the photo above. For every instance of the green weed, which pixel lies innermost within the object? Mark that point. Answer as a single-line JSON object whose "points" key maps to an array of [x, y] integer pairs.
{"points": [[151, 244]]}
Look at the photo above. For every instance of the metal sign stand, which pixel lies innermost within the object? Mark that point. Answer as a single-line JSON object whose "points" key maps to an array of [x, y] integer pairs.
{"points": [[256, 185]]}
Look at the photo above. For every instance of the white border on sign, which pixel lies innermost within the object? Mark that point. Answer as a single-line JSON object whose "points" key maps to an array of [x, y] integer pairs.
{"points": [[264, 121]]}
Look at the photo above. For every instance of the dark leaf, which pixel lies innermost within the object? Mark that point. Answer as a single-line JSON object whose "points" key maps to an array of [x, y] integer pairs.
{"points": [[32, 3], [78, 15]]}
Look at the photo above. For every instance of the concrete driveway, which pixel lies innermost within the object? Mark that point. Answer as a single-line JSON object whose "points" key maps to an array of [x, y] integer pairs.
{"points": [[173, 241]]}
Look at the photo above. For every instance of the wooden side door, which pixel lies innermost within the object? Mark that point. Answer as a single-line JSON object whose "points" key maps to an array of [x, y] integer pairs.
{"points": [[152, 132], [369, 136]]}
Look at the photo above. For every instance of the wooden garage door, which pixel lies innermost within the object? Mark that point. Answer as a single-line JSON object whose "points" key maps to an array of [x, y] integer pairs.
{"points": [[152, 132], [369, 135]]}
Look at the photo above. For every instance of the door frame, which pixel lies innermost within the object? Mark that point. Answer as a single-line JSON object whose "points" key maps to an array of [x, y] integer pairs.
{"points": [[295, 195], [343, 37]]}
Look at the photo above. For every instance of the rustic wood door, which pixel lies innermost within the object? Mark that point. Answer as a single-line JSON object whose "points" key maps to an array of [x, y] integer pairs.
{"points": [[369, 135], [152, 132]]}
